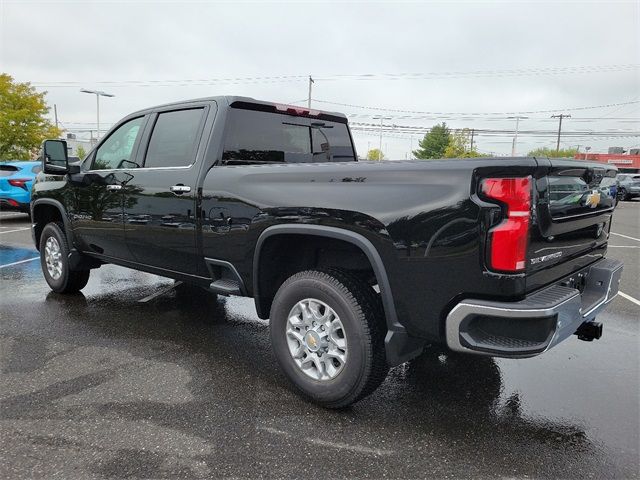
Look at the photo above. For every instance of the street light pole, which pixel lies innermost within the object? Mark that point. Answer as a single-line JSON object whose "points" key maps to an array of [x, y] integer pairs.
{"points": [[515, 138], [311, 82], [98, 94], [380, 147]]}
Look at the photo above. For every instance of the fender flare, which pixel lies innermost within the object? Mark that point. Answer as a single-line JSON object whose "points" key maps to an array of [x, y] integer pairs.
{"points": [[63, 213], [399, 346]]}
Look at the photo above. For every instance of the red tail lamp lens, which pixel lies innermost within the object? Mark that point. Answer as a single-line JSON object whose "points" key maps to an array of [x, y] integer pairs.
{"points": [[19, 182], [508, 240]]}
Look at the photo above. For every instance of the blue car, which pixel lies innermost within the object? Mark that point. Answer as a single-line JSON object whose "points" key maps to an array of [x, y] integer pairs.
{"points": [[16, 178]]}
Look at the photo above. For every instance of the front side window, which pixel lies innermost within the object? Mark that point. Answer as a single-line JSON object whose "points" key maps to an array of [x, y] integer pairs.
{"points": [[117, 150], [255, 137], [174, 139]]}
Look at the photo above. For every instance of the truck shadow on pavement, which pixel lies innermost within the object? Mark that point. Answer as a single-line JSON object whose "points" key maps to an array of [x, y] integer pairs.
{"points": [[197, 374]]}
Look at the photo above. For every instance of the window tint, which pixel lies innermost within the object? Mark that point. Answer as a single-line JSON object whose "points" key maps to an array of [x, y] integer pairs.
{"points": [[263, 137], [117, 150], [173, 141]]}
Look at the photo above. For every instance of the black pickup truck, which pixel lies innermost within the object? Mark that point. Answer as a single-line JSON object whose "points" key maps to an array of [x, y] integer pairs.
{"points": [[358, 265]]}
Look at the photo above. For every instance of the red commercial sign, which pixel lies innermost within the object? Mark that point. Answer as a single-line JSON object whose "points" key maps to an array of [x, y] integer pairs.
{"points": [[623, 162]]}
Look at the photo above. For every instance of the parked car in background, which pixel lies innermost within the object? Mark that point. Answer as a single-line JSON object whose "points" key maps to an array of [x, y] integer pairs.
{"points": [[16, 178], [628, 186]]}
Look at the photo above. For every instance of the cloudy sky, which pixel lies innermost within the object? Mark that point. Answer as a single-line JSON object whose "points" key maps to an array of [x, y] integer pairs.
{"points": [[471, 64]]}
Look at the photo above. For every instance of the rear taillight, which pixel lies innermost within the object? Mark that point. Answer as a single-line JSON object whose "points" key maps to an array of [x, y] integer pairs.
{"points": [[19, 182], [508, 240]]}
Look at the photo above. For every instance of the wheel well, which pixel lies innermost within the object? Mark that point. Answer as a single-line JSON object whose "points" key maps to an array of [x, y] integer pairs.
{"points": [[286, 254], [43, 214]]}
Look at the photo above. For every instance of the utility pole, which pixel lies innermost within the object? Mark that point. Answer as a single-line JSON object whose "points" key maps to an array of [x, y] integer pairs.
{"points": [[514, 143], [98, 94], [311, 82], [561, 116], [55, 113], [473, 131]]}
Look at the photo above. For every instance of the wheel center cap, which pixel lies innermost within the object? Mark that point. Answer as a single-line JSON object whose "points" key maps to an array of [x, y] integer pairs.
{"points": [[312, 340]]}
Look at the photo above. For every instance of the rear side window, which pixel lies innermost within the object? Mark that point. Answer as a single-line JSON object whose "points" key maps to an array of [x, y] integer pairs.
{"points": [[7, 170], [174, 139], [255, 137]]}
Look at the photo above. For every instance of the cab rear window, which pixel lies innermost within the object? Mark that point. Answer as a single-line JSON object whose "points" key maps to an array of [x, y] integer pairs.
{"points": [[256, 137]]}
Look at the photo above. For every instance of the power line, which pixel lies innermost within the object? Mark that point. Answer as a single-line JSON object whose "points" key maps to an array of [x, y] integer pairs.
{"points": [[535, 71], [367, 107]]}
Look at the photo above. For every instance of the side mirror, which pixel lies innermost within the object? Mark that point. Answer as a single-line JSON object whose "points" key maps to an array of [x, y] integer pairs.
{"points": [[55, 159]]}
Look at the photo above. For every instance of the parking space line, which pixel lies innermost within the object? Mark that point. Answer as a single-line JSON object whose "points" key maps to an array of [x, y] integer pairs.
{"points": [[625, 236], [21, 261], [629, 297], [17, 230], [623, 246]]}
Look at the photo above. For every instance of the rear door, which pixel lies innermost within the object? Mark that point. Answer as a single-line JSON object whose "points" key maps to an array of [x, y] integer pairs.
{"points": [[160, 198], [572, 216]]}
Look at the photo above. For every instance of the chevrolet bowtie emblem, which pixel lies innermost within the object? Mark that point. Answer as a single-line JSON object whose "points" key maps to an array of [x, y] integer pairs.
{"points": [[593, 199]]}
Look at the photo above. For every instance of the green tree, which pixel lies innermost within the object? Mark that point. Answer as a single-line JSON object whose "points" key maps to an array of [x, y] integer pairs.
{"points": [[80, 151], [551, 152], [23, 125], [460, 146], [375, 154], [434, 143]]}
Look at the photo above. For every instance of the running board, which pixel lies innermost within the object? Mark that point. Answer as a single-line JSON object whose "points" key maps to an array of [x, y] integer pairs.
{"points": [[225, 286]]}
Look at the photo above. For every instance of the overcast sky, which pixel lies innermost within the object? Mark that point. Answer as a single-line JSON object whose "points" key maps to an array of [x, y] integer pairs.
{"points": [[535, 56]]}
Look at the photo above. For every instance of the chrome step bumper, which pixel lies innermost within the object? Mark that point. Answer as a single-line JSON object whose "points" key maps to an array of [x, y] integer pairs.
{"points": [[537, 323]]}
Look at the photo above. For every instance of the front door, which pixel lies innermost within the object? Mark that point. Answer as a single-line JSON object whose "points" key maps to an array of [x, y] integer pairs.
{"points": [[160, 198], [97, 208]]}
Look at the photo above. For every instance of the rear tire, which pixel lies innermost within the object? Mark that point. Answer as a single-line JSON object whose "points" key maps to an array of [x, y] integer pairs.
{"points": [[54, 260], [347, 315]]}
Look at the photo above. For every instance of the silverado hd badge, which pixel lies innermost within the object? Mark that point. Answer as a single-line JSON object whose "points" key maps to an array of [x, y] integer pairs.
{"points": [[545, 258]]}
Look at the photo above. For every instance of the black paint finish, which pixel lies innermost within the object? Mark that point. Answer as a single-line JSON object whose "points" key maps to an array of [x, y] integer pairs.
{"points": [[425, 219]]}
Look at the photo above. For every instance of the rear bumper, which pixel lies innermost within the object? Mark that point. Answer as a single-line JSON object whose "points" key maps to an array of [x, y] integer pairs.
{"points": [[537, 323]]}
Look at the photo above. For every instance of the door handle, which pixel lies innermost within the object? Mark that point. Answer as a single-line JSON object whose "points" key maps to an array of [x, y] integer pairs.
{"points": [[114, 188], [180, 189]]}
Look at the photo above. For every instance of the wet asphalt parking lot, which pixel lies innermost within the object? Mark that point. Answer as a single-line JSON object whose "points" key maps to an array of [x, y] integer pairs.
{"points": [[120, 382]]}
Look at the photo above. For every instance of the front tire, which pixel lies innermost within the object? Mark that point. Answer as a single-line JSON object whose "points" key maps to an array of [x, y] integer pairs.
{"points": [[624, 196], [54, 260], [327, 332]]}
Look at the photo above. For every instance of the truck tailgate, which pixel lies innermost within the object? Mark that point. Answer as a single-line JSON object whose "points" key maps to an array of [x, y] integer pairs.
{"points": [[571, 218]]}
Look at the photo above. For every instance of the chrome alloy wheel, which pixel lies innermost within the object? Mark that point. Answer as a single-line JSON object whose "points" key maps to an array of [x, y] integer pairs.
{"points": [[53, 258], [316, 339]]}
